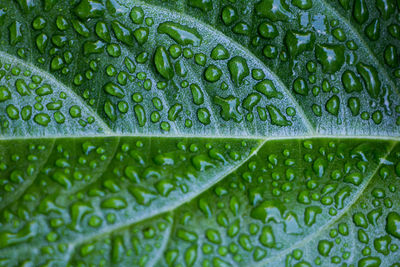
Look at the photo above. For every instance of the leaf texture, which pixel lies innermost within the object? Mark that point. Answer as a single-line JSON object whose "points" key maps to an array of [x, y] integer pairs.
{"points": [[199, 133]]}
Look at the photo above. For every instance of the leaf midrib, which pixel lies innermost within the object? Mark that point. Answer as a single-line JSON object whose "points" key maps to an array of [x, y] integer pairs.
{"points": [[233, 137], [263, 139]]}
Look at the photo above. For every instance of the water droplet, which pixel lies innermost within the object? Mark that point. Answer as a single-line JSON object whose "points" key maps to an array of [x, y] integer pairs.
{"points": [[333, 105], [268, 211], [303, 4], [93, 47], [114, 90], [12, 112], [213, 236], [140, 115], [59, 117], [204, 116], [62, 23], [354, 105], [141, 35], [204, 5], [275, 10], [174, 111], [27, 232], [75, 111], [377, 117], [220, 53], [137, 15], [80, 28], [229, 108], [325, 247], [330, 56], [21, 87], [371, 79], [300, 86], [297, 42], [351, 82], [238, 69], [251, 101], [360, 11], [182, 34], [310, 215], [61, 179], [373, 30], [369, 261], [212, 73], [39, 23], [277, 118], [42, 119], [191, 255], [110, 110], [391, 57], [386, 8], [122, 33], [142, 195], [360, 220], [393, 224], [163, 63], [87, 9], [103, 32], [15, 30], [165, 187], [116, 203], [26, 113], [229, 15], [41, 42]]}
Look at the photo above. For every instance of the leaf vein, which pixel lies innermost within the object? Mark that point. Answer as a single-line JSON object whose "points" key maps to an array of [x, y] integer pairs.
{"points": [[363, 42], [228, 39], [169, 208], [5, 202], [51, 78], [333, 220]]}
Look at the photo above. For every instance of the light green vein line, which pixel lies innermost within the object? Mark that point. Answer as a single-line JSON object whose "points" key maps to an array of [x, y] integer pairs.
{"points": [[53, 80], [331, 222], [25, 186], [370, 53], [227, 39], [169, 208], [252, 137]]}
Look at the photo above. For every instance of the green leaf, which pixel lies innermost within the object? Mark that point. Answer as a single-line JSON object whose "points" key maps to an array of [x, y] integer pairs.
{"points": [[199, 133]]}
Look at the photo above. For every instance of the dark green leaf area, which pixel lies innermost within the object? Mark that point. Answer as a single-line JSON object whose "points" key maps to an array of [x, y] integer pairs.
{"points": [[191, 201]]}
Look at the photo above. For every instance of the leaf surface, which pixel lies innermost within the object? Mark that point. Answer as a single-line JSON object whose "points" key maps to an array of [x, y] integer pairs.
{"points": [[199, 133]]}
